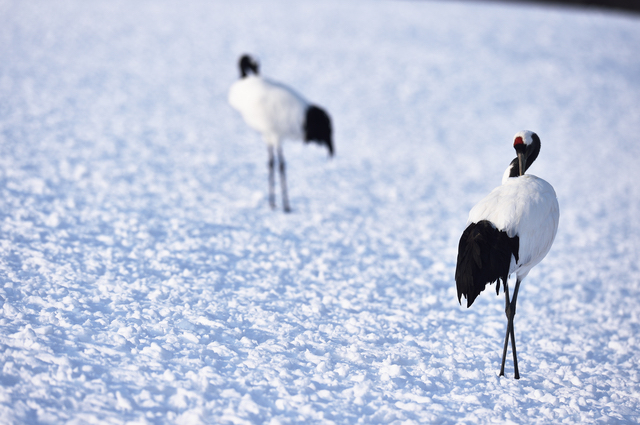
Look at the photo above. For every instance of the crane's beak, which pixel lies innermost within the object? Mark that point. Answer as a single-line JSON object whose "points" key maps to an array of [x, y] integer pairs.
{"points": [[521, 162]]}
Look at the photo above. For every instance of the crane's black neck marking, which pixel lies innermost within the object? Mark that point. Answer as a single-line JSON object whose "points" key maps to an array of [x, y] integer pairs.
{"points": [[484, 257], [531, 152], [248, 66], [317, 127]]}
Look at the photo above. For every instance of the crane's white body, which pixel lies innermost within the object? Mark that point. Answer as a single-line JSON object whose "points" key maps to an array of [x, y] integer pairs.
{"points": [[526, 207], [271, 108]]}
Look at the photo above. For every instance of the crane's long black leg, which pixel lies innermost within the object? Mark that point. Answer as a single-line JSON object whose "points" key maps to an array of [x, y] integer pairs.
{"points": [[506, 338], [283, 181], [272, 183], [513, 336]]}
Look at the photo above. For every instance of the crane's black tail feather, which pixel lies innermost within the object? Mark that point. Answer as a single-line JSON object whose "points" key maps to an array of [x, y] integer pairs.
{"points": [[484, 257], [317, 127]]}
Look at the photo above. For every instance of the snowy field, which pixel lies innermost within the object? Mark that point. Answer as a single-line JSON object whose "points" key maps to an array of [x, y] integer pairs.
{"points": [[144, 279]]}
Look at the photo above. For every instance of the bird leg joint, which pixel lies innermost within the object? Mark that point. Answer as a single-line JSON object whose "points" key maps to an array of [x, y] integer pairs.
{"points": [[510, 310]]}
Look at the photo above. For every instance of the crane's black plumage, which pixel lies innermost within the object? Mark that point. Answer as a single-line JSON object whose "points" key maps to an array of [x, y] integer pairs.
{"points": [[317, 127], [484, 256]]}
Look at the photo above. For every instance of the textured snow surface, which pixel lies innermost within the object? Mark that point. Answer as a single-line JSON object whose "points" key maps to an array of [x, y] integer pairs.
{"points": [[143, 278]]}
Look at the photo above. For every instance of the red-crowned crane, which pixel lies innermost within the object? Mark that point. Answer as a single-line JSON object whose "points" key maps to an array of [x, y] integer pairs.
{"points": [[279, 113], [509, 231]]}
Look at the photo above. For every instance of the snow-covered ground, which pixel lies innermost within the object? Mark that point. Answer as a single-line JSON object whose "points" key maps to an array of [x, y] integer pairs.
{"points": [[143, 278]]}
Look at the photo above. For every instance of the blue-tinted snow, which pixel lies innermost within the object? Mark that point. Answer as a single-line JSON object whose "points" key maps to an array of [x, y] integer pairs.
{"points": [[145, 280]]}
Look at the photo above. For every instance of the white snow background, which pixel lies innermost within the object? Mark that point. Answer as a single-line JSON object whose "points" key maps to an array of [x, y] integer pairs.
{"points": [[145, 280]]}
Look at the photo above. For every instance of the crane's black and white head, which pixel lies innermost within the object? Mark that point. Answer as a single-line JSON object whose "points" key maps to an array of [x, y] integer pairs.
{"points": [[527, 146], [248, 66]]}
